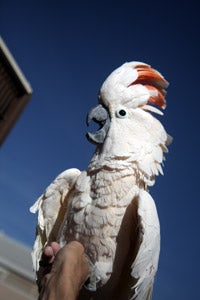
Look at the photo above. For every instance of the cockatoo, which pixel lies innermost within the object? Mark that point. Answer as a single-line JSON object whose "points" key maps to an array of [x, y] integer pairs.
{"points": [[108, 207]]}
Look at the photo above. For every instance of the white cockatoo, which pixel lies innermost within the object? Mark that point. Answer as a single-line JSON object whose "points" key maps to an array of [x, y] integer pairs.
{"points": [[108, 207]]}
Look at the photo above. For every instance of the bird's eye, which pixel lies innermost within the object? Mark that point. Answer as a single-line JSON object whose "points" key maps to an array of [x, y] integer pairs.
{"points": [[121, 113]]}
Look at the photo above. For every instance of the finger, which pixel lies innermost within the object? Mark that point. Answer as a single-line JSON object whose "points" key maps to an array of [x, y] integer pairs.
{"points": [[55, 248]]}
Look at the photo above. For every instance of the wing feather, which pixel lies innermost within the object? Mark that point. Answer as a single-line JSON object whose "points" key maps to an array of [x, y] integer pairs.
{"points": [[51, 207], [145, 265]]}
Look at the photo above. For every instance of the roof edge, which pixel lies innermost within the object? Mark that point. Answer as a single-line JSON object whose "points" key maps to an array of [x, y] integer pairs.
{"points": [[12, 62]]}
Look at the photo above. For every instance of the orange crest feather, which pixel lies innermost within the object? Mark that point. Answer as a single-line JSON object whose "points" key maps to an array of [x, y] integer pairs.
{"points": [[154, 82]]}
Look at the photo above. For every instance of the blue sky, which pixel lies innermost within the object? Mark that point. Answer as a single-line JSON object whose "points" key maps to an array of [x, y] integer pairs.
{"points": [[66, 49]]}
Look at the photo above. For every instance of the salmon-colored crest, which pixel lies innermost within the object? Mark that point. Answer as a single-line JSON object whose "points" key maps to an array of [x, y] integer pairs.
{"points": [[154, 82]]}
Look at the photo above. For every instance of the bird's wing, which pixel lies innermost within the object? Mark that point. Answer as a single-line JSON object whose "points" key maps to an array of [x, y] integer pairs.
{"points": [[145, 264], [51, 207]]}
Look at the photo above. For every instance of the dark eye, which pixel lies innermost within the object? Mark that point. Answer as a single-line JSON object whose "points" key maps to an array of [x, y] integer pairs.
{"points": [[121, 113]]}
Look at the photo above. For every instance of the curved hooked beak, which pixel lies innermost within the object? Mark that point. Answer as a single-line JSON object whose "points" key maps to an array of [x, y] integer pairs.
{"points": [[99, 115]]}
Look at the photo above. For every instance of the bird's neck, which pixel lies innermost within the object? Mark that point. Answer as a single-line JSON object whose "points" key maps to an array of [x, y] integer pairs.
{"points": [[120, 166]]}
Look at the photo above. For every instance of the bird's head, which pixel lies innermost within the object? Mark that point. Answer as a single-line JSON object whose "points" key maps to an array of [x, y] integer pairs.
{"points": [[126, 100]]}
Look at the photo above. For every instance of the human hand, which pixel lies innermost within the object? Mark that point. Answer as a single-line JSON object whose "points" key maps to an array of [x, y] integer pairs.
{"points": [[69, 271]]}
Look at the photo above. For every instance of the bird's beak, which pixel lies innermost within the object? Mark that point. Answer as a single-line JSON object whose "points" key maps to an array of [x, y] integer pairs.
{"points": [[100, 115]]}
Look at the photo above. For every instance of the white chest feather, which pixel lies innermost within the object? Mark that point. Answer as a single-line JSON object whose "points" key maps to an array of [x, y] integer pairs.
{"points": [[96, 209]]}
